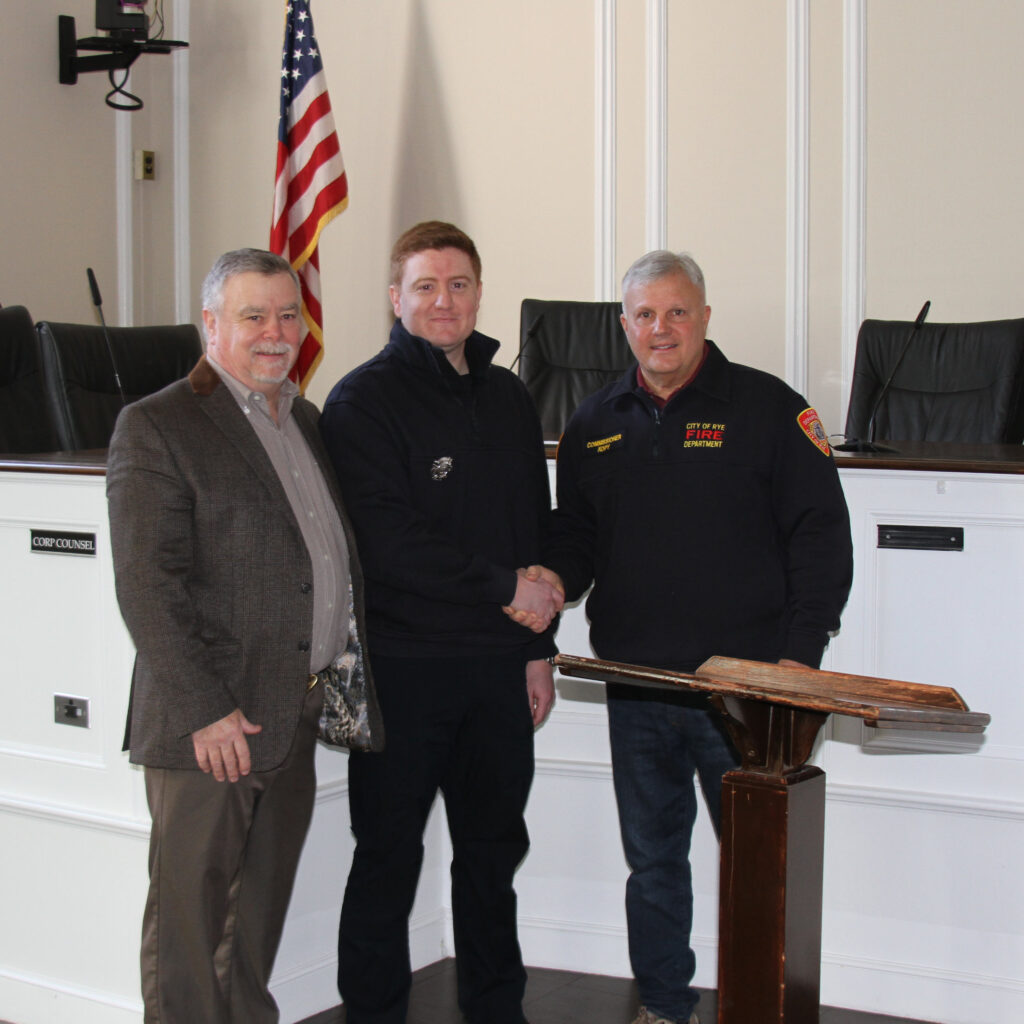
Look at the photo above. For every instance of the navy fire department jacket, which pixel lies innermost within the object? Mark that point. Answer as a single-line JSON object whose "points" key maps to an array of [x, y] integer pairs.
{"points": [[714, 526]]}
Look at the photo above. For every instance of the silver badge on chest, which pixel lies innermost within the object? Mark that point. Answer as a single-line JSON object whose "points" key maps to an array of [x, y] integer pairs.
{"points": [[441, 467]]}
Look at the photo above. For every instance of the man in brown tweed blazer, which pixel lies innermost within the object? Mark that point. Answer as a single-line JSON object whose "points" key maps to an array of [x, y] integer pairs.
{"points": [[238, 579]]}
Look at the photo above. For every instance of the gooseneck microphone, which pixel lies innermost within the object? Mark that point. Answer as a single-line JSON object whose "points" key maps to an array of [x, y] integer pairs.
{"points": [[857, 445], [903, 351], [98, 303], [527, 341]]}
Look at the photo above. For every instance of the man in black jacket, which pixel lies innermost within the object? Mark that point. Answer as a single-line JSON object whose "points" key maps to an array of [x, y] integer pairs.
{"points": [[700, 498], [446, 483]]}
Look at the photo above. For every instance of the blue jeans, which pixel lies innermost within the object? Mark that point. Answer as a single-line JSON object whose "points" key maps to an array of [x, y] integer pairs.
{"points": [[658, 740]]}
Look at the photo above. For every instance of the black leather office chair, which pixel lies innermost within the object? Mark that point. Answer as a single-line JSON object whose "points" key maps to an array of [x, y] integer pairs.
{"points": [[957, 382], [80, 380], [26, 424], [567, 350]]}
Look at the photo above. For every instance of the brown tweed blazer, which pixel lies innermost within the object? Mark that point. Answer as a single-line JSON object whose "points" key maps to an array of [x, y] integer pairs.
{"points": [[212, 575]]}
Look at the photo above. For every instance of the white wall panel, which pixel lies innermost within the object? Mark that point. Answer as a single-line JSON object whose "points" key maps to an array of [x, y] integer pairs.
{"points": [[923, 897]]}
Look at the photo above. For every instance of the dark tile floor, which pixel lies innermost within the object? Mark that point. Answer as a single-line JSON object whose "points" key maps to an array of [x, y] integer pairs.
{"points": [[563, 997]]}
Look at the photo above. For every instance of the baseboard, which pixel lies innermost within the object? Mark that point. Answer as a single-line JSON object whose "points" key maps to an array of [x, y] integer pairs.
{"points": [[598, 949], [920, 992], [302, 992], [36, 999], [895, 989]]}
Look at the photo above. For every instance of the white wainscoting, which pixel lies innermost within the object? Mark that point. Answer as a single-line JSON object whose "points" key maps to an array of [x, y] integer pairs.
{"points": [[924, 898], [72, 813]]}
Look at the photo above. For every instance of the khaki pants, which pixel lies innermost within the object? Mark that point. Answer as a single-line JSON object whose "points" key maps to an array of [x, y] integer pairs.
{"points": [[222, 861]]}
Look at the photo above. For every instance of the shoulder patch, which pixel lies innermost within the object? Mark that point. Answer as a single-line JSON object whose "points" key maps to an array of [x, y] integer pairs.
{"points": [[810, 423]]}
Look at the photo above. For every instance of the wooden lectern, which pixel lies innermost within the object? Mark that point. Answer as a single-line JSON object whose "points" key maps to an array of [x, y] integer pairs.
{"points": [[773, 812]]}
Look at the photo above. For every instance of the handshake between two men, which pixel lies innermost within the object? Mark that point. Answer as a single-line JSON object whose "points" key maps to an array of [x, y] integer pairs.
{"points": [[539, 597]]}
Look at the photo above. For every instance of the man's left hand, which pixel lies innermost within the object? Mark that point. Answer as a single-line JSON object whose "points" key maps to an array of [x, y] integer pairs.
{"points": [[540, 689]]}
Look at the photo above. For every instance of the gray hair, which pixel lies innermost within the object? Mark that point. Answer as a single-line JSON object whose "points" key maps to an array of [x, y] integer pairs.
{"points": [[661, 263], [241, 261]]}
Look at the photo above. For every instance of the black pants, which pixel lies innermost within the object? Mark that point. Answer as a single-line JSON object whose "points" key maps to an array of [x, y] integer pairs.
{"points": [[462, 725]]}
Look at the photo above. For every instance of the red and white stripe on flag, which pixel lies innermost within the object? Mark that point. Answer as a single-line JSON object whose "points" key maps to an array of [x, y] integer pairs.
{"points": [[310, 188]]}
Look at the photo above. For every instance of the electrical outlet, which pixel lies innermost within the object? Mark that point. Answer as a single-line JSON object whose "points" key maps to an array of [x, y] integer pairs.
{"points": [[71, 710]]}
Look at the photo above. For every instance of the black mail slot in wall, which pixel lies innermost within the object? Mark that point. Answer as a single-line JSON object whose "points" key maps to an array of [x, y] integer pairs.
{"points": [[922, 538]]}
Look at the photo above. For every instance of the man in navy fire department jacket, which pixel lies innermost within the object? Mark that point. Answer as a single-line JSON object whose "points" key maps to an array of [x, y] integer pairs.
{"points": [[701, 499]]}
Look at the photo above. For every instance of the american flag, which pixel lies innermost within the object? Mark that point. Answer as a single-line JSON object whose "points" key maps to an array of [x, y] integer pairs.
{"points": [[310, 188]]}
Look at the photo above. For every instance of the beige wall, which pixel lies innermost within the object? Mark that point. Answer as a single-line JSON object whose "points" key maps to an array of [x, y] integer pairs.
{"points": [[57, 209], [727, 166], [476, 113], [945, 150], [485, 114]]}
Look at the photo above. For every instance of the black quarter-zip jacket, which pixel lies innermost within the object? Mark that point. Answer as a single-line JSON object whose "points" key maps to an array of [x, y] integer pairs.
{"points": [[445, 481], [716, 525]]}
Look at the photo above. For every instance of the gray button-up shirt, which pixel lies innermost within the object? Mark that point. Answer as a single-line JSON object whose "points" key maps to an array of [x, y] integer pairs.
{"points": [[313, 508]]}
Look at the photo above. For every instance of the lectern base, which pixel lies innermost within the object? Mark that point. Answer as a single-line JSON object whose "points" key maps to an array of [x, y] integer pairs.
{"points": [[770, 897]]}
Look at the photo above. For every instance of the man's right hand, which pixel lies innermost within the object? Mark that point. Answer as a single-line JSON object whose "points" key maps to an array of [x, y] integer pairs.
{"points": [[539, 597], [222, 748]]}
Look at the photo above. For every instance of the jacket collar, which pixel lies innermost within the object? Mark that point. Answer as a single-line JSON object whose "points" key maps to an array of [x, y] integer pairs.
{"points": [[422, 356], [204, 378]]}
